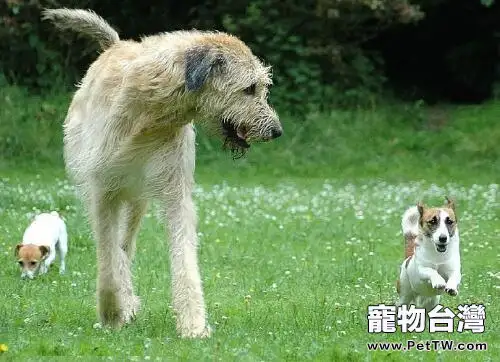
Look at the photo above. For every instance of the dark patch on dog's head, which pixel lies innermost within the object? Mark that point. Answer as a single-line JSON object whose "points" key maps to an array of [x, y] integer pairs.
{"points": [[451, 220], [430, 222], [451, 225], [200, 61], [429, 218]]}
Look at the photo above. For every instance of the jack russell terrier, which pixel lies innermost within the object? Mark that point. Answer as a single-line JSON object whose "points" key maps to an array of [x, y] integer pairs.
{"points": [[432, 264], [38, 249]]}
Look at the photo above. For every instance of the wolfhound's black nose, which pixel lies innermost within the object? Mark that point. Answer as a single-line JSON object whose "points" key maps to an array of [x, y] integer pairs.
{"points": [[443, 239], [276, 132]]}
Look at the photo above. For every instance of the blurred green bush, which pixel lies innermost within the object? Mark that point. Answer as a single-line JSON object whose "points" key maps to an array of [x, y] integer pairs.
{"points": [[314, 46]]}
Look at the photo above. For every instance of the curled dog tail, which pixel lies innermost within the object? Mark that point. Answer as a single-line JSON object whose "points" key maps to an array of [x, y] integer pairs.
{"points": [[409, 224], [85, 22], [58, 215]]}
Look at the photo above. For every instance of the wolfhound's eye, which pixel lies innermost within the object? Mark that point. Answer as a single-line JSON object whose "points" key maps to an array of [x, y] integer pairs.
{"points": [[449, 221], [433, 221], [250, 90]]}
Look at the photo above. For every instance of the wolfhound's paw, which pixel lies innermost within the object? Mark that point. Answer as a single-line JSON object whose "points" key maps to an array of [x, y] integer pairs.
{"points": [[115, 310], [195, 332], [130, 309], [108, 309]]}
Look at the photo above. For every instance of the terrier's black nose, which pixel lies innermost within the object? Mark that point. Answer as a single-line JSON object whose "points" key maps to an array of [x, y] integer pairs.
{"points": [[443, 239], [276, 132]]}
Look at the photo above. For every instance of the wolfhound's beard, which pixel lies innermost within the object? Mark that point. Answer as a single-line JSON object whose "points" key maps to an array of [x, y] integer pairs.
{"points": [[236, 151], [232, 141]]}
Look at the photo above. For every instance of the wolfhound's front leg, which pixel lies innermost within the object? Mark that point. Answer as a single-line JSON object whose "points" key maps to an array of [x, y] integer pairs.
{"points": [[116, 303], [187, 290]]}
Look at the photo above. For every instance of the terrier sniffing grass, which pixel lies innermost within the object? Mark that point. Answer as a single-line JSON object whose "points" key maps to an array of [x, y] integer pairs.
{"points": [[129, 137], [432, 264], [46, 233]]}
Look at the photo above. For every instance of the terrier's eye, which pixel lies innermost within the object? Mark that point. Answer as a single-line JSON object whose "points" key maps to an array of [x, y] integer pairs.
{"points": [[20, 262], [250, 90], [433, 221], [449, 221], [32, 263]]}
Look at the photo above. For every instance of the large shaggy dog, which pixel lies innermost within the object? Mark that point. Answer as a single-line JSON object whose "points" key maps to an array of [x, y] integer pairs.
{"points": [[129, 137]]}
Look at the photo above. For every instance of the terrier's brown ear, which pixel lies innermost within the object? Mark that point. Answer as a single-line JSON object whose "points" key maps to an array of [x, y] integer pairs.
{"points": [[16, 250], [420, 207], [44, 250], [450, 203], [200, 62]]}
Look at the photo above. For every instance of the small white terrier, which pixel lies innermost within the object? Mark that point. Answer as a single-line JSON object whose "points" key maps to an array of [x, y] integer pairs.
{"points": [[38, 249], [432, 263]]}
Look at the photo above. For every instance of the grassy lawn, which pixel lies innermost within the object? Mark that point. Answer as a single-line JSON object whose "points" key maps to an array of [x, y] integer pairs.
{"points": [[296, 241]]}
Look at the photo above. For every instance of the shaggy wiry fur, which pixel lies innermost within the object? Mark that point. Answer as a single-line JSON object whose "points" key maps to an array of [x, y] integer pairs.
{"points": [[129, 137]]}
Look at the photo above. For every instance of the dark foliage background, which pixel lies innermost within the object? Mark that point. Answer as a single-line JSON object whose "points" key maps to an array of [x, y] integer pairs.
{"points": [[324, 53]]}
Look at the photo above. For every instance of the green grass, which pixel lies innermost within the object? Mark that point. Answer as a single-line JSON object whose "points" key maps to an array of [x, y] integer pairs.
{"points": [[296, 240], [389, 142]]}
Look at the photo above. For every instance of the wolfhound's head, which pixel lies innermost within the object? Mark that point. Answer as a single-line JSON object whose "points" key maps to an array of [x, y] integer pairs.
{"points": [[232, 86]]}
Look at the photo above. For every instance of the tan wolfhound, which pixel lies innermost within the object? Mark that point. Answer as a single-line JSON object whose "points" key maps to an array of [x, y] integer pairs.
{"points": [[129, 137]]}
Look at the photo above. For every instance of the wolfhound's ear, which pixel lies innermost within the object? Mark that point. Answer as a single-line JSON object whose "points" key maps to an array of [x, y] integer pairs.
{"points": [[450, 203], [200, 62], [420, 207]]}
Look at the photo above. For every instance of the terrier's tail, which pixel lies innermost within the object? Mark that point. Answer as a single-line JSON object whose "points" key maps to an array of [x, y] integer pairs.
{"points": [[409, 224], [85, 22]]}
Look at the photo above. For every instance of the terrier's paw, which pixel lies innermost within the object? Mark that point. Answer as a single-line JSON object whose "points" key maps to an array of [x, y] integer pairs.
{"points": [[451, 291], [439, 285]]}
